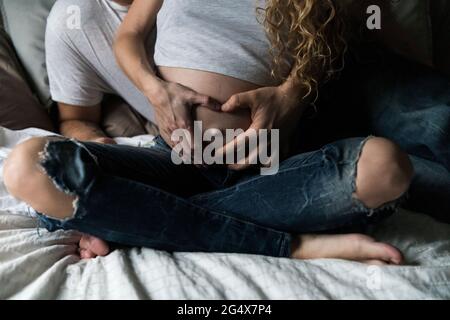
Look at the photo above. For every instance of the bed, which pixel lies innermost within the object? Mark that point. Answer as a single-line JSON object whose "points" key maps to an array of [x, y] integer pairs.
{"points": [[35, 264]]}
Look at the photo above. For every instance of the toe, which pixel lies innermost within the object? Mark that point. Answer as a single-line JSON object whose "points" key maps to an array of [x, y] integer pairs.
{"points": [[95, 245], [87, 254], [99, 247], [386, 253], [374, 262], [394, 256]]}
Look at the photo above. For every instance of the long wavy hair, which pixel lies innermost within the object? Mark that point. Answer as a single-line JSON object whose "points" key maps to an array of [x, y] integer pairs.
{"points": [[306, 36]]}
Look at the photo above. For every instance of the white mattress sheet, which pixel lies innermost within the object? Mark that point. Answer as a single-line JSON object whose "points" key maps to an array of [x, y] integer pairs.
{"points": [[36, 264]]}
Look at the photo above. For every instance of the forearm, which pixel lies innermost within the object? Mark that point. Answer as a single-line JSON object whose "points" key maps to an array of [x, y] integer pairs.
{"points": [[81, 130], [296, 95], [298, 90], [133, 59], [129, 44]]}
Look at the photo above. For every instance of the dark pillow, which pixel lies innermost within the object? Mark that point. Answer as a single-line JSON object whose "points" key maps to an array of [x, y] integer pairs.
{"points": [[19, 108], [440, 10], [120, 120], [405, 26], [25, 22]]}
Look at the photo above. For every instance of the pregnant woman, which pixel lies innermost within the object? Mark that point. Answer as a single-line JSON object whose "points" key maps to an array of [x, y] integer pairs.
{"points": [[213, 60]]}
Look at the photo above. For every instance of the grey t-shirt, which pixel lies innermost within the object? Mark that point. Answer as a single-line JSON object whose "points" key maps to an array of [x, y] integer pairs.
{"points": [[80, 60], [221, 36]]}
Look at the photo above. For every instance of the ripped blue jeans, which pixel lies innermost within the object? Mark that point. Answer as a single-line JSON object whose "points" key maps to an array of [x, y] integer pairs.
{"points": [[136, 196]]}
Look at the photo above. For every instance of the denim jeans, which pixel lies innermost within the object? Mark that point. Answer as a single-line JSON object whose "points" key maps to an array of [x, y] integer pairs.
{"points": [[384, 95], [138, 197]]}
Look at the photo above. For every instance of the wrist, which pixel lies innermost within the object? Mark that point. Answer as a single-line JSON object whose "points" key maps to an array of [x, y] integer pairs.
{"points": [[295, 94], [81, 130], [87, 136], [151, 85], [291, 89]]}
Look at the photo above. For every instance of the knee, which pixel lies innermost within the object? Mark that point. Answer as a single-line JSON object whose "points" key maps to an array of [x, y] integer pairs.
{"points": [[20, 170], [384, 173]]}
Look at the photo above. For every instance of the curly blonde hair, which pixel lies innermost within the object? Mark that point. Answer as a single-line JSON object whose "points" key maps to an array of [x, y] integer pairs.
{"points": [[306, 36]]}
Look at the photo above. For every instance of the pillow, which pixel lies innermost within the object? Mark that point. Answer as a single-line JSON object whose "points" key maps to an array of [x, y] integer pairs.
{"points": [[120, 120], [25, 21], [1, 14], [440, 12], [19, 108], [405, 26]]}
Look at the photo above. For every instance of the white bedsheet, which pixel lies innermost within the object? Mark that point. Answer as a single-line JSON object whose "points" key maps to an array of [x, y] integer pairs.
{"points": [[42, 265]]}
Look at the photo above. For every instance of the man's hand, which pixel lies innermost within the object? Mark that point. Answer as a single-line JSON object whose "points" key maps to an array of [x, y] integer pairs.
{"points": [[82, 123], [173, 105]]}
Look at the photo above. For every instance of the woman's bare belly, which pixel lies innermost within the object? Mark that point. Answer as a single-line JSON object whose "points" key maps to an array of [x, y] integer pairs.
{"points": [[216, 86]]}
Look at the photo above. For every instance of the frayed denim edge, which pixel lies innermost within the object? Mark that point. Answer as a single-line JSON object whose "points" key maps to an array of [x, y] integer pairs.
{"points": [[360, 206], [45, 158]]}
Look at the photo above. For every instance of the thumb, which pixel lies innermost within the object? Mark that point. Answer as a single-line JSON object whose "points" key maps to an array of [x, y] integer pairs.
{"points": [[206, 101], [235, 102]]}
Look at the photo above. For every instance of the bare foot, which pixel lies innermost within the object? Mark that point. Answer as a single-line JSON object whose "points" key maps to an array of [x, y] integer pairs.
{"points": [[91, 247], [355, 247]]}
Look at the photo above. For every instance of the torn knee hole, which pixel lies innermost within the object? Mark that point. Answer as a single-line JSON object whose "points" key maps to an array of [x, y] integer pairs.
{"points": [[383, 173], [70, 167]]}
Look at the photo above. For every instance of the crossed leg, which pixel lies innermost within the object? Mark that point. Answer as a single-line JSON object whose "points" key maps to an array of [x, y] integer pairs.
{"points": [[384, 174]]}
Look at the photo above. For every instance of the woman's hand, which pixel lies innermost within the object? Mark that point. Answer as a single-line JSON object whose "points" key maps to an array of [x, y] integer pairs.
{"points": [[173, 105], [271, 108]]}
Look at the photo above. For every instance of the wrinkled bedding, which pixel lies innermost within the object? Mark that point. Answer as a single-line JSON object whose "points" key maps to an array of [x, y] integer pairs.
{"points": [[35, 264]]}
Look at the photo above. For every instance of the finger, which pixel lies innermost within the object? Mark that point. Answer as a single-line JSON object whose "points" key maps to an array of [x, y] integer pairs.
{"points": [[167, 136], [84, 243], [240, 139], [185, 122], [171, 128], [201, 100], [86, 254], [236, 150], [250, 160], [239, 167], [237, 101], [257, 156], [183, 117]]}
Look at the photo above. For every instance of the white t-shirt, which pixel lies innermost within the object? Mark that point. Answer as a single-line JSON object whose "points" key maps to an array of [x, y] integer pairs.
{"points": [[80, 60], [221, 36]]}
